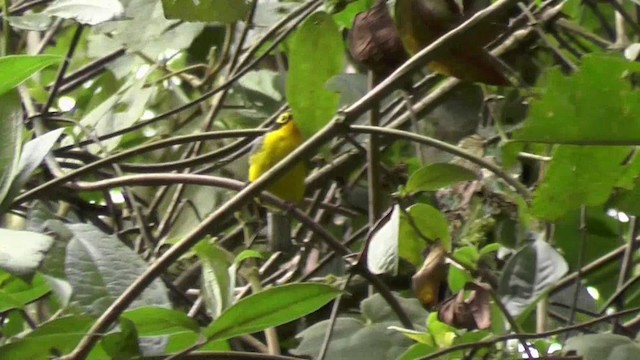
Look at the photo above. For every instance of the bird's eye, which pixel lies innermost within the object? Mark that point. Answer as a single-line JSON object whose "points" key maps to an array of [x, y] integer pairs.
{"points": [[284, 118]]}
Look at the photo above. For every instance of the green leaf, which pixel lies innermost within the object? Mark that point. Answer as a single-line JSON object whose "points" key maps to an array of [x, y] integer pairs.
{"points": [[421, 337], [218, 276], [467, 255], [627, 201], [11, 138], [89, 12], [574, 109], [604, 234], [155, 321], [376, 309], [578, 175], [352, 339], [429, 222], [457, 278], [16, 293], [89, 267], [436, 176], [60, 335], [382, 253], [417, 351], [371, 339], [32, 154], [345, 17], [313, 105], [271, 307], [181, 341], [122, 344], [488, 249], [247, 254], [223, 11], [528, 274], [443, 334], [21, 252], [15, 69], [603, 347]]}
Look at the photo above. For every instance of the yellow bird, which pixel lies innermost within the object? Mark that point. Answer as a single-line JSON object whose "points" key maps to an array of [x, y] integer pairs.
{"points": [[267, 151]]}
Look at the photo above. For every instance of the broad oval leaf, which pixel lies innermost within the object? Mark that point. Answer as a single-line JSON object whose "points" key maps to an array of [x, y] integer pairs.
{"points": [[528, 274], [271, 307], [89, 12], [15, 69], [603, 347], [224, 11], [383, 249], [352, 339], [313, 105], [96, 282], [436, 176], [21, 252]]}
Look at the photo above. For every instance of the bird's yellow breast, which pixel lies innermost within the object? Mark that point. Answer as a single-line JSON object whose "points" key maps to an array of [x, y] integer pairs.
{"points": [[271, 149]]}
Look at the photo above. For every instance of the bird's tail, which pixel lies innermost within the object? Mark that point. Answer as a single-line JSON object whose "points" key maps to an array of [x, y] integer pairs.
{"points": [[279, 232]]}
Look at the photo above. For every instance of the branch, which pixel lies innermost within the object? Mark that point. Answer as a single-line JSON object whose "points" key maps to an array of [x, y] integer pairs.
{"points": [[441, 145]]}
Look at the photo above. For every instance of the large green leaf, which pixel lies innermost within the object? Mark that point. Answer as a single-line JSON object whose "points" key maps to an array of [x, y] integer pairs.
{"points": [[89, 267], [603, 347], [369, 338], [224, 11], [578, 175], [154, 321], [596, 105], [15, 69], [528, 274], [271, 307], [316, 55]]}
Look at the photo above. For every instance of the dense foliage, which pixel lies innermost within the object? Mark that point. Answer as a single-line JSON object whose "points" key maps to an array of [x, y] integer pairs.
{"points": [[443, 219]]}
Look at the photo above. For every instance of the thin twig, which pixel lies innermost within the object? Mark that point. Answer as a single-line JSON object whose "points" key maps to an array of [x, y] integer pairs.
{"points": [[441, 145], [581, 254], [324, 348]]}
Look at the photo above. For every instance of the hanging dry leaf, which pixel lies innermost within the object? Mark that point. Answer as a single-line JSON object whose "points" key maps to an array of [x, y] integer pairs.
{"points": [[426, 282], [374, 40], [472, 313]]}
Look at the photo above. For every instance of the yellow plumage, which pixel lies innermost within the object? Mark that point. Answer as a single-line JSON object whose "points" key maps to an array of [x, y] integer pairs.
{"points": [[270, 149]]}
